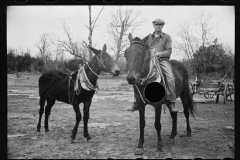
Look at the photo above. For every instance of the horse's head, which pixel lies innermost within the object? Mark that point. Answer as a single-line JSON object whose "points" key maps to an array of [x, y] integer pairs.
{"points": [[106, 62], [136, 58]]}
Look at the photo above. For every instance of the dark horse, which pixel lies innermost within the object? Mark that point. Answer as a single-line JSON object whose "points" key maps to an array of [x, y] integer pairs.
{"points": [[138, 59], [55, 85]]}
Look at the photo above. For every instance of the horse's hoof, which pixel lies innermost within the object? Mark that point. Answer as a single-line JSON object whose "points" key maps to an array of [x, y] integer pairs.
{"points": [[189, 135], [139, 151], [171, 140], [160, 149], [46, 130], [38, 130]]}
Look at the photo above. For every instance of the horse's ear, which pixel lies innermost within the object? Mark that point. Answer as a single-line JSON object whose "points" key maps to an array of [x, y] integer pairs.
{"points": [[104, 48], [130, 37], [95, 51]]}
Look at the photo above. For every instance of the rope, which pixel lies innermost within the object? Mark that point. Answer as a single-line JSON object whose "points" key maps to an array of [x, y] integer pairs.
{"points": [[140, 94], [70, 78]]}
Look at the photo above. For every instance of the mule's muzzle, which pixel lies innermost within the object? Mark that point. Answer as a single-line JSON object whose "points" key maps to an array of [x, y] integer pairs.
{"points": [[115, 71]]}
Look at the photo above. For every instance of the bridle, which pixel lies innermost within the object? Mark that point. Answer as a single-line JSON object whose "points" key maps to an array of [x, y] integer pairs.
{"points": [[142, 80], [145, 65]]}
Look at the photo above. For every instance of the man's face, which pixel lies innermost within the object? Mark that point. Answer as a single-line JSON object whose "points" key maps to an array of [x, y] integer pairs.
{"points": [[158, 27]]}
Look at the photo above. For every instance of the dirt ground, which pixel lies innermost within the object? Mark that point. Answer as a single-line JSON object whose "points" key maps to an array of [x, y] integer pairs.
{"points": [[115, 131]]}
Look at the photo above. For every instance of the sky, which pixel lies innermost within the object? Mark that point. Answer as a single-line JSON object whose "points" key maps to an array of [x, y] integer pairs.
{"points": [[25, 24]]}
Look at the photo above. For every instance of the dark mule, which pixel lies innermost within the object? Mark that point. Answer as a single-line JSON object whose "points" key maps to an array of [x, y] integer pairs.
{"points": [[55, 85], [138, 63]]}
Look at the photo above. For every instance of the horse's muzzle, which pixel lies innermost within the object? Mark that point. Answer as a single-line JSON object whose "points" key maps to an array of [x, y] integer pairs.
{"points": [[131, 78]]}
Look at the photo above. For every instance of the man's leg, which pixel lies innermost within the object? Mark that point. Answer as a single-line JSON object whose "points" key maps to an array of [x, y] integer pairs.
{"points": [[134, 106], [170, 85]]}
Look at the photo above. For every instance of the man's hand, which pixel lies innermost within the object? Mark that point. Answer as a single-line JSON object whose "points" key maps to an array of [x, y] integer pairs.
{"points": [[153, 50]]}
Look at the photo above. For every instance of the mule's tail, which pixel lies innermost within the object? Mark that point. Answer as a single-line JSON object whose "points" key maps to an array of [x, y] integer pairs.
{"points": [[191, 105]]}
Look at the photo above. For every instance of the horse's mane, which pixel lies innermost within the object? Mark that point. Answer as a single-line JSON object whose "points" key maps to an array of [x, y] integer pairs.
{"points": [[141, 40], [137, 39]]}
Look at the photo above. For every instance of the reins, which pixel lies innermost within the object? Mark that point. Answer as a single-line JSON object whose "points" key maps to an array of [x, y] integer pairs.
{"points": [[144, 66]]}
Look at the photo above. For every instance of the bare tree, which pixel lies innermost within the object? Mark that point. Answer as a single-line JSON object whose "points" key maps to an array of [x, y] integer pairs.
{"points": [[71, 46], [59, 57], [123, 21], [92, 25], [193, 34], [44, 46]]}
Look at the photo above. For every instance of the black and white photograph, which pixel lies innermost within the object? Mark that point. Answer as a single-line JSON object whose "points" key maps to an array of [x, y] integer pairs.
{"points": [[120, 81]]}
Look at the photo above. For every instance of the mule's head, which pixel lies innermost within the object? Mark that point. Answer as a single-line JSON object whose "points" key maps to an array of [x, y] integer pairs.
{"points": [[136, 58], [105, 61]]}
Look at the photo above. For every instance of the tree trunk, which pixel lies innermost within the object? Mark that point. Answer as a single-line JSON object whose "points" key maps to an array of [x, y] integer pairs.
{"points": [[120, 42], [90, 31]]}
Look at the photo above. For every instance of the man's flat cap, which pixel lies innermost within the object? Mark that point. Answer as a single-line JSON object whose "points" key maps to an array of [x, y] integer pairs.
{"points": [[158, 21]]}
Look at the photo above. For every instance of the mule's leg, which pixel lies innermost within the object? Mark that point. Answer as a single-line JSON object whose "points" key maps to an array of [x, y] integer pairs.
{"points": [[174, 123], [185, 102], [86, 108], [78, 118], [139, 150], [158, 109], [41, 110], [50, 103]]}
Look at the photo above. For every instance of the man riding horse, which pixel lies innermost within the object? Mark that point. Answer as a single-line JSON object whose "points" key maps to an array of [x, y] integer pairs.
{"points": [[160, 44]]}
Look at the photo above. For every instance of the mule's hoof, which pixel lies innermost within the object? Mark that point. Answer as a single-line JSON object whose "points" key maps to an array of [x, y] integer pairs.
{"points": [[139, 151], [189, 135], [88, 138], [71, 140], [171, 137], [73, 137]]}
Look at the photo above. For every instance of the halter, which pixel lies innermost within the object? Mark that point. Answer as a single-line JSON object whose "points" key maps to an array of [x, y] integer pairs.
{"points": [[100, 61], [143, 67]]}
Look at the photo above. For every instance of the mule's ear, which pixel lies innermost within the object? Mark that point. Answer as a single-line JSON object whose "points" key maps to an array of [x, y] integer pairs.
{"points": [[130, 37], [104, 48], [95, 51]]}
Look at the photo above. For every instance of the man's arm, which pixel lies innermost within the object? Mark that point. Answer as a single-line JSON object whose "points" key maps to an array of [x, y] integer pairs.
{"points": [[168, 47]]}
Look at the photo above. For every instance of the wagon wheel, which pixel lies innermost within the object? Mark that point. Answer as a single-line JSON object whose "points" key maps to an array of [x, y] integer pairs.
{"points": [[225, 93], [208, 96]]}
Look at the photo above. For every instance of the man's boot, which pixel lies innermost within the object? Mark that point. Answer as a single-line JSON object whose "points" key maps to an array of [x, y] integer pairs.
{"points": [[172, 107], [133, 107]]}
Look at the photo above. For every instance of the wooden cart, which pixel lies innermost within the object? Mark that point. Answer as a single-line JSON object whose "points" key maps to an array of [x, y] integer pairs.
{"points": [[210, 89]]}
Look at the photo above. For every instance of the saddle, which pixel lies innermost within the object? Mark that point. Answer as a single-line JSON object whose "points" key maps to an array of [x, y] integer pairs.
{"points": [[155, 74]]}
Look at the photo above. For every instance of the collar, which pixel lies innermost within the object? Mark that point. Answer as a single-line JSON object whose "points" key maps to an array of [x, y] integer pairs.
{"points": [[153, 35]]}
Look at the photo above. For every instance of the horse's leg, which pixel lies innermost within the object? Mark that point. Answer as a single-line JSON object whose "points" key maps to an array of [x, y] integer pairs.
{"points": [[185, 103], [139, 150], [78, 118], [50, 103], [174, 123], [158, 109], [41, 110], [86, 108]]}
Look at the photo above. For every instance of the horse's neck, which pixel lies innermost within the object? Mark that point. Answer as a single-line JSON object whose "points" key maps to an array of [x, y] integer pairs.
{"points": [[146, 70], [93, 64]]}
